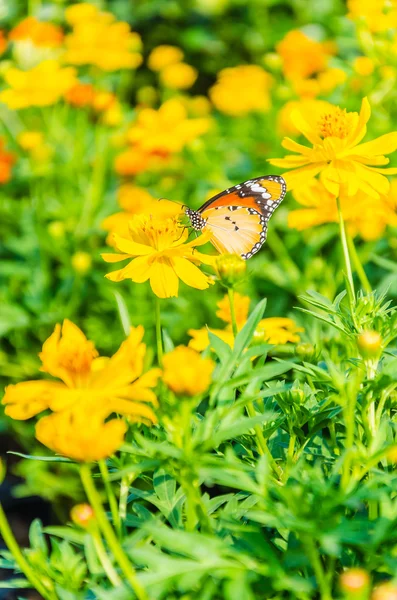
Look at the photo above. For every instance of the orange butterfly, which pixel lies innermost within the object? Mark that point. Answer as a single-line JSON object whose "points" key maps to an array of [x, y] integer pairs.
{"points": [[237, 218]]}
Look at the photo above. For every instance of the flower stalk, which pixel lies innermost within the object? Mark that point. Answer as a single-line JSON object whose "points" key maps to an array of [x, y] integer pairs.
{"points": [[109, 534]]}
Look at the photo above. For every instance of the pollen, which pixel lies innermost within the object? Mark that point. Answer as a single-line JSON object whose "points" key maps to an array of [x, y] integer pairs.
{"points": [[337, 123]]}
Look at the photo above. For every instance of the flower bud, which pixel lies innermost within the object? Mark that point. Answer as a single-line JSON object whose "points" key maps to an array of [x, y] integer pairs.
{"points": [[354, 582], [56, 229], [369, 344], [305, 351], [385, 591], [231, 269], [392, 454], [81, 262], [147, 95], [273, 61], [82, 515]]}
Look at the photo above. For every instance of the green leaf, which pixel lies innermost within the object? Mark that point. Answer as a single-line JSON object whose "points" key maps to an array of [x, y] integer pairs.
{"points": [[66, 533], [55, 459], [123, 313]]}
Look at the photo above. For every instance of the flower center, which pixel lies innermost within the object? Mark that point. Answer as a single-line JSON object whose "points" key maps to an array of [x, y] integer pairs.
{"points": [[76, 360], [337, 123], [160, 234]]}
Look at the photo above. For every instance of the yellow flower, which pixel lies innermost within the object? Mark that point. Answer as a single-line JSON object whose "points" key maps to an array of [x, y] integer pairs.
{"points": [[274, 330], [95, 385], [80, 435], [29, 140], [137, 201], [81, 262], [376, 15], [277, 330], [39, 33], [241, 90], [186, 373], [308, 108], [178, 76], [43, 85], [163, 56], [346, 166], [301, 56], [98, 39], [363, 65], [159, 252], [362, 215], [166, 130], [241, 307]]}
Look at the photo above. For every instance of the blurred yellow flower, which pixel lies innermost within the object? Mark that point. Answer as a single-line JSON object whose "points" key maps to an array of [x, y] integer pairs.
{"points": [[345, 165], [376, 15], [159, 252], [277, 330], [90, 384], [81, 262], [163, 56], [98, 39], [42, 85], [363, 65], [241, 308], [81, 435], [39, 33], [186, 373], [166, 130], [274, 330], [156, 135], [178, 76], [137, 201], [362, 215], [7, 159], [301, 56], [241, 90], [29, 140]]}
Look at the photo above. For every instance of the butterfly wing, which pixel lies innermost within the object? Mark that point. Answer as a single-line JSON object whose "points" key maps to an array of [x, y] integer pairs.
{"points": [[237, 218]]}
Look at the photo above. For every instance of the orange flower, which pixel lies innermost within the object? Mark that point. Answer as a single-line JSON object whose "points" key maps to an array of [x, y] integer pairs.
{"points": [[302, 57], [39, 33], [3, 42], [7, 159], [80, 95]]}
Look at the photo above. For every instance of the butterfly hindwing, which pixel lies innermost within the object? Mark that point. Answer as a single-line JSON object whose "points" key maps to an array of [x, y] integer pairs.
{"points": [[237, 218]]}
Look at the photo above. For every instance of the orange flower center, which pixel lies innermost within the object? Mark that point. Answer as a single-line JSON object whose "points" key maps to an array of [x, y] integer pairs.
{"points": [[335, 124], [160, 234], [76, 359]]}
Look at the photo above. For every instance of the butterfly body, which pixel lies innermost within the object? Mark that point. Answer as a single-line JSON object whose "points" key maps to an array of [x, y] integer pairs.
{"points": [[237, 218]]}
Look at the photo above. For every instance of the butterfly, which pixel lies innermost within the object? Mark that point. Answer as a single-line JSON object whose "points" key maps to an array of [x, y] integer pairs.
{"points": [[237, 218]]}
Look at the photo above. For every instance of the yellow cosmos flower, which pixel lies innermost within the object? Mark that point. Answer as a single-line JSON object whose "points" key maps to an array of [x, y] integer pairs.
{"points": [[308, 109], [376, 15], [362, 215], [363, 65], [98, 39], [43, 85], [301, 56], [345, 165], [241, 308], [274, 330], [186, 373], [159, 253], [80, 435], [277, 330], [39, 33], [165, 131], [29, 140], [178, 76], [163, 56], [97, 385], [137, 201], [241, 90]]}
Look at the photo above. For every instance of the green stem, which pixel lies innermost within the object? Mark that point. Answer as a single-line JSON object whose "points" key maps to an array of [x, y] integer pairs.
{"points": [[20, 559], [108, 532], [261, 442], [357, 265], [124, 491], [349, 273], [230, 293], [315, 561], [111, 497], [349, 418], [159, 338], [104, 559]]}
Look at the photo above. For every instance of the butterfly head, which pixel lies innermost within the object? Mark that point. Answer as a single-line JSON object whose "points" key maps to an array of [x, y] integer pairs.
{"points": [[195, 219]]}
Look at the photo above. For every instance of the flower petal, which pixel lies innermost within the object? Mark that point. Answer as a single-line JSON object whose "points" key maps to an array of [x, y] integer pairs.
{"points": [[189, 273], [385, 144], [163, 279], [130, 247]]}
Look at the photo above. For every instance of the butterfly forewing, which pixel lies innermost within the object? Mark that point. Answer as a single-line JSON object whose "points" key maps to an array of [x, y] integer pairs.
{"points": [[237, 218]]}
